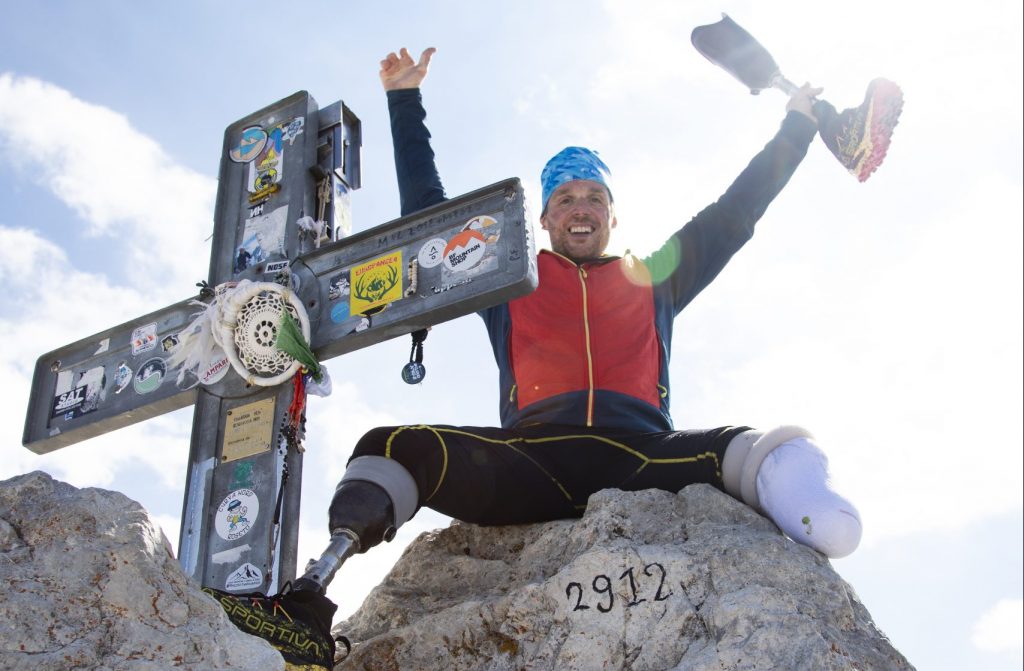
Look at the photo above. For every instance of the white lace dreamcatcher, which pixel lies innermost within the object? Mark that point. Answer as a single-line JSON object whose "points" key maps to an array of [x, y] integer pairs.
{"points": [[244, 322]]}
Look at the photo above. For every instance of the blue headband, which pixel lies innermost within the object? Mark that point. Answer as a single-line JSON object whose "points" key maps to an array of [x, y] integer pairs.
{"points": [[570, 164]]}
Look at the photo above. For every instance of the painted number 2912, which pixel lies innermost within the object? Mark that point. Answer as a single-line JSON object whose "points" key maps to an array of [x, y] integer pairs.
{"points": [[602, 586]]}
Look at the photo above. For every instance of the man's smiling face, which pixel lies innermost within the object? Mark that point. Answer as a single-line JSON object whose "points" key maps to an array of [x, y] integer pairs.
{"points": [[579, 218]]}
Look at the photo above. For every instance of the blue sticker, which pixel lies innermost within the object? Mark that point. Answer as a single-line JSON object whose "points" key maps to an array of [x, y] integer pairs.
{"points": [[339, 312]]}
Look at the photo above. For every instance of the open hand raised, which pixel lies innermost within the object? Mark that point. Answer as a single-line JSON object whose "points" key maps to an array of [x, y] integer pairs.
{"points": [[400, 72]]}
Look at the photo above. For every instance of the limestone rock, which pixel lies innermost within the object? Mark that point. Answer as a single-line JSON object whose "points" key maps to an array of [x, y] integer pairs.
{"points": [[644, 581], [88, 582]]}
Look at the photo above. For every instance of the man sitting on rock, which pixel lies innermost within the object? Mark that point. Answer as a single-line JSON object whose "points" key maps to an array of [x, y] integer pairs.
{"points": [[583, 360]]}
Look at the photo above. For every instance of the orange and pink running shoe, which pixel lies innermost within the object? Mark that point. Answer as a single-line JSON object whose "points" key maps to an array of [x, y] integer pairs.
{"points": [[859, 136]]}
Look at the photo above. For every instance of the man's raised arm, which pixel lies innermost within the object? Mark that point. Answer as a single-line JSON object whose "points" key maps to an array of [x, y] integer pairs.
{"points": [[419, 185], [693, 256]]}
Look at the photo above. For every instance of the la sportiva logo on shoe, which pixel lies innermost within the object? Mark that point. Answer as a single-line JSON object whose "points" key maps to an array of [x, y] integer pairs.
{"points": [[266, 618]]}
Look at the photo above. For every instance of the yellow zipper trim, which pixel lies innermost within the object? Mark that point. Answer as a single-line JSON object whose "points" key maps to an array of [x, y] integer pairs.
{"points": [[590, 359]]}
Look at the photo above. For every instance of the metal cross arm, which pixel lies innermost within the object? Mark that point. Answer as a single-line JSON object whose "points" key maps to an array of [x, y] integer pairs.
{"points": [[444, 262], [282, 210], [432, 266]]}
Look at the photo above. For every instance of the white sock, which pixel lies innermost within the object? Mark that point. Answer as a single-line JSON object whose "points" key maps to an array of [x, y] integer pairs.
{"points": [[795, 491]]}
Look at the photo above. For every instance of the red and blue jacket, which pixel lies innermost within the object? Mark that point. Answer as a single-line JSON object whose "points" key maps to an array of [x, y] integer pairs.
{"points": [[591, 345]]}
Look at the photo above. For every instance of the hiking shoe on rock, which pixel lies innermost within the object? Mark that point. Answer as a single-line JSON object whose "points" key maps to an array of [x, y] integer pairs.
{"points": [[296, 622], [859, 136]]}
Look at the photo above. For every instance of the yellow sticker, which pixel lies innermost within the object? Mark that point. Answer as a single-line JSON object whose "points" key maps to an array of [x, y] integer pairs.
{"points": [[376, 283], [248, 430]]}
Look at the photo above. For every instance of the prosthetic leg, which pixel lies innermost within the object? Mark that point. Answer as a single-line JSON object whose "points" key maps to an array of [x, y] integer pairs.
{"points": [[858, 137], [784, 475], [375, 497]]}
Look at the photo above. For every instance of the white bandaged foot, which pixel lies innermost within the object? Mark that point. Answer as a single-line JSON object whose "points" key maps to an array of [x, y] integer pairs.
{"points": [[795, 491]]}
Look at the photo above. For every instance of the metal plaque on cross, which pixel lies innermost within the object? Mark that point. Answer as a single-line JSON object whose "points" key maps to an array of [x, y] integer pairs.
{"points": [[282, 216]]}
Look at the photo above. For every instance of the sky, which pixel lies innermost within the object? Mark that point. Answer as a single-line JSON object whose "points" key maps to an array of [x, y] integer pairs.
{"points": [[885, 316]]}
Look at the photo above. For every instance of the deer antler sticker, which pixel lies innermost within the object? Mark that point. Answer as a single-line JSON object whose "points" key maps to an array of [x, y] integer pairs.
{"points": [[377, 282]]}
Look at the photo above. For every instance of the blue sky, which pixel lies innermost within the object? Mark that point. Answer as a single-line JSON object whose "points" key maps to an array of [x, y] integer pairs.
{"points": [[884, 316]]}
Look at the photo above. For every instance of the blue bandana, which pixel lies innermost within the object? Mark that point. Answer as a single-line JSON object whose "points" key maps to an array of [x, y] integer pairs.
{"points": [[570, 164]]}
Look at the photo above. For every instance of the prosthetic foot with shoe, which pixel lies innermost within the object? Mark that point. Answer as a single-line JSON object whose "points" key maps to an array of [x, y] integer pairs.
{"points": [[296, 622], [859, 136], [374, 498]]}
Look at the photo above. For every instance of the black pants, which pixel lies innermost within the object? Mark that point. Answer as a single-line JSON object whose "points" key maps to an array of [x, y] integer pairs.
{"points": [[492, 476]]}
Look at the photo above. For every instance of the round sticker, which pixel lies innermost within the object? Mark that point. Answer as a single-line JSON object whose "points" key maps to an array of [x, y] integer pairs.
{"points": [[216, 371], [339, 312], [432, 252], [252, 142], [465, 250], [237, 513], [150, 376]]}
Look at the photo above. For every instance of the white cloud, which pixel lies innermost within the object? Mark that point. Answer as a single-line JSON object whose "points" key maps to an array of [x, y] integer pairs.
{"points": [[122, 183], [1000, 628], [48, 303]]}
